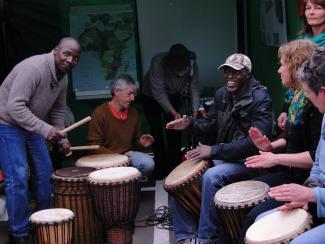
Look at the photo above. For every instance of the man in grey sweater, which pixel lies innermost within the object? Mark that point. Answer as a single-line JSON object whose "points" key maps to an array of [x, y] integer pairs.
{"points": [[32, 107]]}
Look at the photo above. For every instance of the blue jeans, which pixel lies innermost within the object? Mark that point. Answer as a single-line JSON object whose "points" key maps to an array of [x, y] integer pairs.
{"points": [[14, 143], [209, 228], [142, 161]]}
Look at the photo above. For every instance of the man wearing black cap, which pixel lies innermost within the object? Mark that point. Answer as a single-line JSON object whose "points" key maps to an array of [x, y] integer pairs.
{"points": [[172, 76]]}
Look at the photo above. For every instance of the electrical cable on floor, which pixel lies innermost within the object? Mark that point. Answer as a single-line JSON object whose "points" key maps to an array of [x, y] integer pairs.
{"points": [[160, 217]]}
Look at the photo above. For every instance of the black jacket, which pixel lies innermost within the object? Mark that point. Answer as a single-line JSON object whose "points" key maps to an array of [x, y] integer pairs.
{"points": [[231, 119]]}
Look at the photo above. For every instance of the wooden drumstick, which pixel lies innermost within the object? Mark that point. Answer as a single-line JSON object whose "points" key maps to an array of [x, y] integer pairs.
{"points": [[75, 125], [91, 147]]}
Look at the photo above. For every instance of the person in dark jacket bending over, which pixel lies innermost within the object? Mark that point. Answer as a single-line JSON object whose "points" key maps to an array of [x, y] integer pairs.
{"points": [[241, 103], [171, 78]]}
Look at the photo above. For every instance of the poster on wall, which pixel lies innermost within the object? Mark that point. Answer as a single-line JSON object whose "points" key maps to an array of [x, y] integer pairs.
{"points": [[273, 22], [107, 38]]}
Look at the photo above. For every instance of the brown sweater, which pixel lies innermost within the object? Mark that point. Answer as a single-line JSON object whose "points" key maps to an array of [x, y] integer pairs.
{"points": [[111, 134]]}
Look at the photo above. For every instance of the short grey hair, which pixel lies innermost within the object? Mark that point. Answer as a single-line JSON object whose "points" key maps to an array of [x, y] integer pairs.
{"points": [[120, 81], [312, 71]]}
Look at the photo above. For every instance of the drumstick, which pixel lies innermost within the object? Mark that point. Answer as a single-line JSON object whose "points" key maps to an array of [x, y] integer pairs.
{"points": [[75, 125], [91, 147]]}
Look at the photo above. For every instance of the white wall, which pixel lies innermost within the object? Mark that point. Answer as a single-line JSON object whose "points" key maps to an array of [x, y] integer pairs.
{"points": [[208, 27]]}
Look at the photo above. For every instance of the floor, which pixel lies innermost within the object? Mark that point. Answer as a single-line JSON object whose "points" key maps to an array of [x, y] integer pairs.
{"points": [[152, 197]]}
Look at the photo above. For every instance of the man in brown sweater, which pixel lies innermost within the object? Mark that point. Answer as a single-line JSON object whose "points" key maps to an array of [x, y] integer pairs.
{"points": [[32, 106], [115, 126]]}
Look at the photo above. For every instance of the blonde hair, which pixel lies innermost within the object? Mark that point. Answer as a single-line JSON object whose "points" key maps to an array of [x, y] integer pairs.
{"points": [[293, 54]]}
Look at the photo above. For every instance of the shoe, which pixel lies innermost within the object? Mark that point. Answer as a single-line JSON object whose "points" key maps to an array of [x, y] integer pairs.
{"points": [[20, 240]]}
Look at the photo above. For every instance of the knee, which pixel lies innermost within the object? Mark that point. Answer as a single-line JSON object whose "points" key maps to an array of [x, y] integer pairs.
{"points": [[212, 178], [145, 165]]}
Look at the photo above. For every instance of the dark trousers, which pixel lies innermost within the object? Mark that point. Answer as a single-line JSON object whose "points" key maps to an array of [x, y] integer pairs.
{"points": [[167, 145]]}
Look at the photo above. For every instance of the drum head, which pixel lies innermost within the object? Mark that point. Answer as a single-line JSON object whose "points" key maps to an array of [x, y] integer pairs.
{"points": [[278, 226], [101, 161], [53, 215], [241, 194], [185, 171], [114, 175], [73, 173]]}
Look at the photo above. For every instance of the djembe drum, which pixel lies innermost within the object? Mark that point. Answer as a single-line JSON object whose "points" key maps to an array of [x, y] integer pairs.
{"points": [[71, 191], [279, 227], [184, 183], [234, 201], [115, 193], [53, 226], [101, 161]]}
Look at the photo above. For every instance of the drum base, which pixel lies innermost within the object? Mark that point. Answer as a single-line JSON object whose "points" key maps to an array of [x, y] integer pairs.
{"points": [[120, 234]]}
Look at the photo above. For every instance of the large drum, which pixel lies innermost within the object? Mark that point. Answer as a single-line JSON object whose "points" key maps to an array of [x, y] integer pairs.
{"points": [[53, 226], [184, 183], [71, 191], [115, 192], [279, 227], [101, 161], [234, 201]]}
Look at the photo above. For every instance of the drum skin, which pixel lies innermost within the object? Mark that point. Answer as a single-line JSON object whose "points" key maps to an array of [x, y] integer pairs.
{"points": [[53, 226], [101, 161], [71, 191], [234, 201], [184, 183], [279, 227]]}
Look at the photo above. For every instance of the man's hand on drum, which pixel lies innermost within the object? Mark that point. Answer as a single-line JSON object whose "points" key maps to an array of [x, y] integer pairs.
{"points": [[65, 148], [293, 205], [292, 193], [146, 140], [178, 124], [54, 135], [260, 141], [264, 160], [200, 152]]}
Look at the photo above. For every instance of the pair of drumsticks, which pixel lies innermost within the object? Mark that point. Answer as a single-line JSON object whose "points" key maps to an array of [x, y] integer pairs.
{"points": [[75, 125]]}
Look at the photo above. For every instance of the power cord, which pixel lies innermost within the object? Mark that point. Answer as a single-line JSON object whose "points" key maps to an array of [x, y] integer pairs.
{"points": [[160, 217]]}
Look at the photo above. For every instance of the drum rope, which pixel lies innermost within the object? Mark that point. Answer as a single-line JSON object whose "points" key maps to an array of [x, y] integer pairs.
{"points": [[160, 217]]}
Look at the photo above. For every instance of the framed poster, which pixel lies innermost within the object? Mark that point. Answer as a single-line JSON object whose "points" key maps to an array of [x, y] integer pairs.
{"points": [[107, 37], [273, 22]]}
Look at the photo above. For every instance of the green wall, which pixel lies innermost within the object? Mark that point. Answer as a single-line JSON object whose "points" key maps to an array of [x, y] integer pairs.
{"points": [[265, 59]]}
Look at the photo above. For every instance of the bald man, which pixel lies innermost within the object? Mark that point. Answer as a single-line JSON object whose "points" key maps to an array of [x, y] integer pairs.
{"points": [[32, 107]]}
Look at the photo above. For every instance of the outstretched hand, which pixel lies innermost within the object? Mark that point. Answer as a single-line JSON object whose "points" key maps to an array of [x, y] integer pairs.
{"points": [[260, 141], [178, 124], [200, 152], [264, 160], [146, 140], [292, 193]]}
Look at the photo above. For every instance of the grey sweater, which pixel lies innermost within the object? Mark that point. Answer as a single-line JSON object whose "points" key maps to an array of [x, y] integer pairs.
{"points": [[160, 83], [31, 95]]}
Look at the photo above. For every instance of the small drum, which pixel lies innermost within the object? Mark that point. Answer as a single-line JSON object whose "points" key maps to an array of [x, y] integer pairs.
{"points": [[101, 161], [279, 227], [234, 201], [185, 185], [71, 191], [53, 226], [115, 192]]}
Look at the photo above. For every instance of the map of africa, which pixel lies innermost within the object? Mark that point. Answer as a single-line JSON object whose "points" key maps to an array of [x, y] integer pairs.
{"points": [[107, 38]]}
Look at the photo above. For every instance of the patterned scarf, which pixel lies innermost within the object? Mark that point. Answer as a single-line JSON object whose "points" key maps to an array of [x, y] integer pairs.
{"points": [[296, 108]]}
